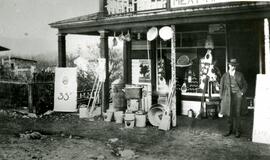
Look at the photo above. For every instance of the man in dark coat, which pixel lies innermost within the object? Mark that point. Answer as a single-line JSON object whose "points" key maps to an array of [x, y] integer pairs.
{"points": [[233, 87]]}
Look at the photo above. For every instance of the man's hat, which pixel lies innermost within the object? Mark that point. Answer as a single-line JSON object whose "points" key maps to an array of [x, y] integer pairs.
{"points": [[233, 62]]}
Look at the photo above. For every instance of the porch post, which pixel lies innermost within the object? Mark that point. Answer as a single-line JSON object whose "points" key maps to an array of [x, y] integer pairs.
{"points": [[127, 62], [104, 53], [266, 45], [153, 57], [61, 50]]}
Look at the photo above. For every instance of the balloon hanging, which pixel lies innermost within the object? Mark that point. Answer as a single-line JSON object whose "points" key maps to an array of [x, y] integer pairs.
{"points": [[152, 33], [166, 33]]}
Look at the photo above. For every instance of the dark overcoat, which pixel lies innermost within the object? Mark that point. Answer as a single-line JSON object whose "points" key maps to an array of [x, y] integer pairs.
{"points": [[225, 92]]}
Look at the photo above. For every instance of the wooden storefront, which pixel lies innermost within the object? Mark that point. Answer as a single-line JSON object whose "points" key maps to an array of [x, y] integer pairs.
{"points": [[236, 29]]}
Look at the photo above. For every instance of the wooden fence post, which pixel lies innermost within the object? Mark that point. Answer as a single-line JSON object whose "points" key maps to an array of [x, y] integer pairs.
{"points": [[30, 97]]}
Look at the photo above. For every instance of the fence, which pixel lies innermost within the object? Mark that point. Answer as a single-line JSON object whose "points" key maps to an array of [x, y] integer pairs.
{"points": [[37, 96], [16, 94]]}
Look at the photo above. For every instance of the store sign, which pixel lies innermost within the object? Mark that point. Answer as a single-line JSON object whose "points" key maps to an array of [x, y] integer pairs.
{"points": [[125, 6], [261, 127], [65, 90], [100, 70], [186, 3]]}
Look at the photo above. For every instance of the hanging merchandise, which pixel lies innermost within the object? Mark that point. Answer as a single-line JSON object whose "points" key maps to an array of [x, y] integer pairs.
{"points": [[189, 76], [114, 40], [205, 67], [138, 36], [122, 37], [166, 33], [161, 71], [209, 43], [184, 61], [152, 33], [184, 88], [127, 37]]}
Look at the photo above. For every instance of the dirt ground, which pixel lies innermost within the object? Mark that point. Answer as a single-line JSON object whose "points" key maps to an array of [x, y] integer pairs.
{"points": [[65, 136]]}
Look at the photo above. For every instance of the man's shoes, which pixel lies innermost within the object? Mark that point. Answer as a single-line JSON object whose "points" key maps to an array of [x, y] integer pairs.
{"points": [[237, 135], [227, 134]]}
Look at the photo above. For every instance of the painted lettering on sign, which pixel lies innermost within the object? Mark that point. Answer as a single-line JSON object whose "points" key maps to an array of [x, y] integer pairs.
{"points": [[184, 3], [65, 90], [126, 6]]}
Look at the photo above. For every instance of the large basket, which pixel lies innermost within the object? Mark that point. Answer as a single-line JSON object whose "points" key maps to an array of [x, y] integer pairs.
{"points": [[133, 92]]}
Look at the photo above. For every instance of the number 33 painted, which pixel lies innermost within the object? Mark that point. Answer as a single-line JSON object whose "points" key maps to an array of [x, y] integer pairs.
{"points": [[63, 96]]}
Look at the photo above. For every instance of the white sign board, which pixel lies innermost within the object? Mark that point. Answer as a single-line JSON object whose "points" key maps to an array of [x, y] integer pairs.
{"points": [[261, 127], [100, 70], [65, 90], [141, 71], [187, 3]]}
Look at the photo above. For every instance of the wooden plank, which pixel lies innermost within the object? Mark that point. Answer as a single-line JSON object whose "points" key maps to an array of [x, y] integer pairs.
{"points": [[13, 82], [30, 98]]}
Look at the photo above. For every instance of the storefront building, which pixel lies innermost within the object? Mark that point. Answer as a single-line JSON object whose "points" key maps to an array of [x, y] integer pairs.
{"points": [[234, 29]]}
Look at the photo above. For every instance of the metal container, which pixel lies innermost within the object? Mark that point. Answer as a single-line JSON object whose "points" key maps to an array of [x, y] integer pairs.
{"points": [[133, 92], [190, 113]]}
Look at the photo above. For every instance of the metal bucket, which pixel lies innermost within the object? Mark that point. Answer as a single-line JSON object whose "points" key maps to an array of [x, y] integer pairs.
{"points": [[140, 120], [133, 92], [83, 111], [118, 116], [129, 120]]}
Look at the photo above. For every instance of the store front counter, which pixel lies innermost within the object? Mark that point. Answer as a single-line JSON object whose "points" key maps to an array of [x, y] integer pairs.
{"points": [[192, 101]]}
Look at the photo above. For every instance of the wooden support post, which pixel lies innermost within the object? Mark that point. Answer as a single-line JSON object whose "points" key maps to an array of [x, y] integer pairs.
{"points": [[153, 54], [61, 50], [30, 97], [104, 53], [127, 62], [266, 46]]}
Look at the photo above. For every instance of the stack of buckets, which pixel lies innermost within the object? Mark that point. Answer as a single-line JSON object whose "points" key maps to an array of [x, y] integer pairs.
{"points": [[130, 119], [138, 119], [119, 97]]}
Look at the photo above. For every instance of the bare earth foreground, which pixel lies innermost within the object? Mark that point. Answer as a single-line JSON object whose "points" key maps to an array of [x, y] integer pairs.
{"points": [[65, 136]]}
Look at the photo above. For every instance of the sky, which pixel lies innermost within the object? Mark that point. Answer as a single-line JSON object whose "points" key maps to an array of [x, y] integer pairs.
{"points": [[25, 30]]}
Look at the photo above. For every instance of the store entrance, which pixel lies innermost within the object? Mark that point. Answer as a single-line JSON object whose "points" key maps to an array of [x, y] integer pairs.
{"points": [[243, 44]]}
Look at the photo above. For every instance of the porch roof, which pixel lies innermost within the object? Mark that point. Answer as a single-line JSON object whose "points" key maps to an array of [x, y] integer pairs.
{"points": [[221, 12]]}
